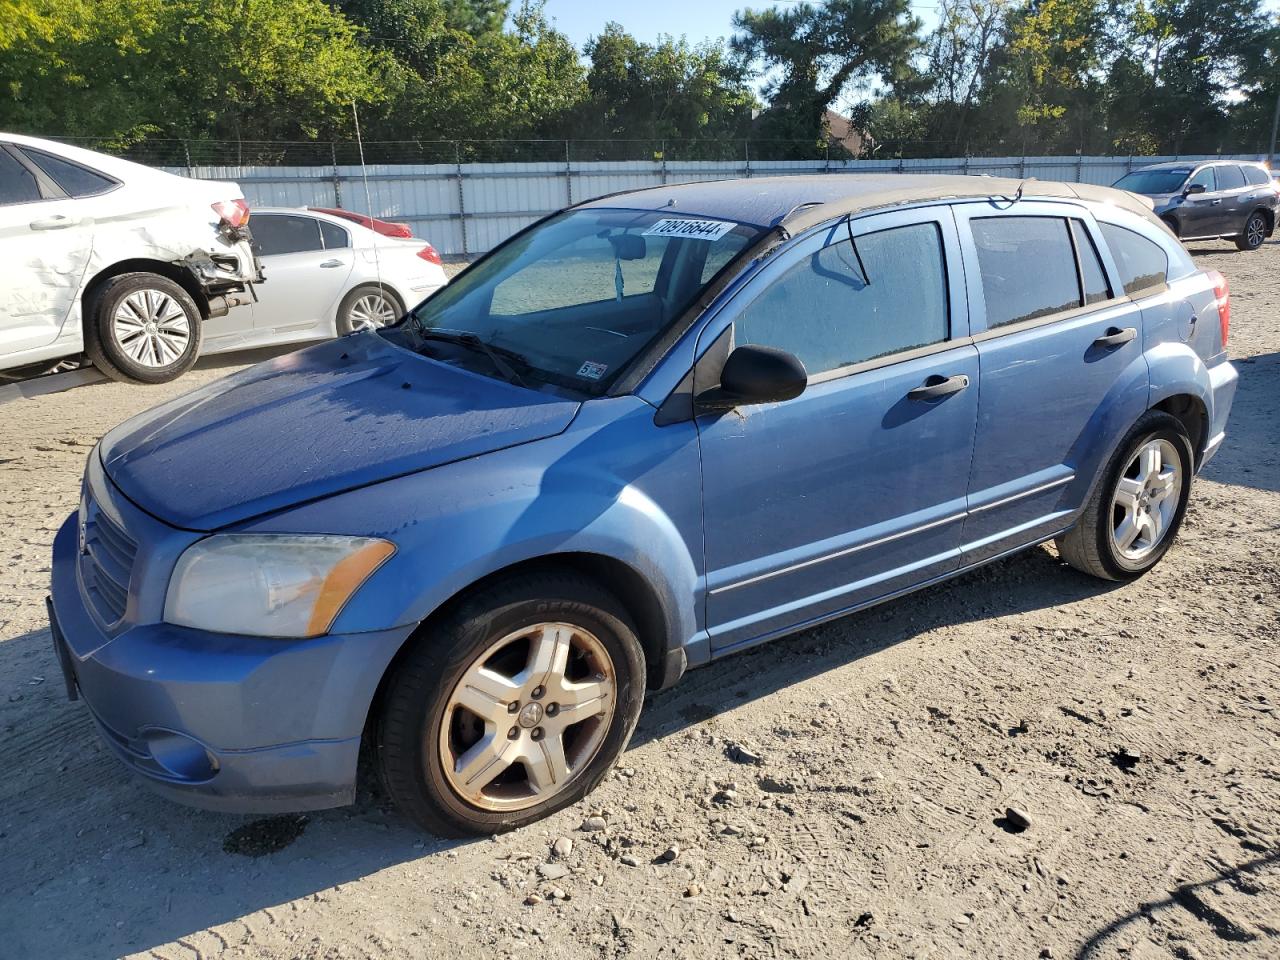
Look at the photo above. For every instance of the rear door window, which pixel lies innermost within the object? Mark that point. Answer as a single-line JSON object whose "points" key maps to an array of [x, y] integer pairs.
{"points": [[17, 183], [275, 234], [1028, 267], [1230, 178], [334, 236], [1143, 264], [830, 313], [75, 180]]}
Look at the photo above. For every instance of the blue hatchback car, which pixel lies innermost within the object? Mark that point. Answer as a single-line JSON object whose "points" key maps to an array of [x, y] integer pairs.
{"points": [[643, 433]]}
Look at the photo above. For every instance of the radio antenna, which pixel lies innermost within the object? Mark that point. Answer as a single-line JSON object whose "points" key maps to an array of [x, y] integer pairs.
{"points": [[368, 205]]}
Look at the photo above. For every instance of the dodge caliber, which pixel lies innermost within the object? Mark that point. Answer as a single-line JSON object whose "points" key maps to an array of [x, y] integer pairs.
{"points": [[644, 433]]}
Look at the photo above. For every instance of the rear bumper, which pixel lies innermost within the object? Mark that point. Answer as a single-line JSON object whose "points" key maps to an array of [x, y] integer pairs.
{"points": [[240, 724], [1223, 380]]}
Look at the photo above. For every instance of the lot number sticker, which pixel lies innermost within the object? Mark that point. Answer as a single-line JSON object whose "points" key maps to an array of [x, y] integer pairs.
{"points": [[592, 370], [690, 229]]}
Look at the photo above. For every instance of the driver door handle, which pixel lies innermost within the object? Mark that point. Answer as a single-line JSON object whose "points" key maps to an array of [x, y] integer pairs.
{"points": [[56, 222], [937, 387], [1115, 337]]}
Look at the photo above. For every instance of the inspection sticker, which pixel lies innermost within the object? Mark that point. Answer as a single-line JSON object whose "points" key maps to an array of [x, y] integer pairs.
{"points": [[690, 229], [592, 370]]}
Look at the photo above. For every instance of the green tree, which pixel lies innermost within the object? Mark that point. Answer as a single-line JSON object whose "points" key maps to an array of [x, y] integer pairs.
{"points": [[813, 54]]}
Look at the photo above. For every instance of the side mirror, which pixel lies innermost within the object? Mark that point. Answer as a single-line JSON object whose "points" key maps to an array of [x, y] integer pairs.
{"points": [[1194, 188], [755, 374]]}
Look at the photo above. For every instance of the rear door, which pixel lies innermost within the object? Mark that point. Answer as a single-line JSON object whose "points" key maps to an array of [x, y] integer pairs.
{"points": [[1235, 198], [304, 279], [46, 239], [1199, 212], [855, 489], [1062, 368]]}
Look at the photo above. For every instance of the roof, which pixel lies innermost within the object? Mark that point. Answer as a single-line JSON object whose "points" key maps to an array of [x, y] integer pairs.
{"points": [[1190, 164], [801, 202]]}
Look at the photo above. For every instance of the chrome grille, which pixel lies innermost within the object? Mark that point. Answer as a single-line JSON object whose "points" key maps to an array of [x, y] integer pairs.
{"points": [[106, 564]]}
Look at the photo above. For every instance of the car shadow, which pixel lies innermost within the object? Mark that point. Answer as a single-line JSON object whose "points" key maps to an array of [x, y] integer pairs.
{"points": [[169, 871], [1250, 455]]}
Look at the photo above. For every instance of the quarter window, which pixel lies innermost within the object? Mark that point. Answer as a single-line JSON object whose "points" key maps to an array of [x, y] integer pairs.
{"points": [[75, 180], [1028, 267], [1256, 175], [275, 234], [830, 313], [17, 183], [1092, 276], [1143, 264], [1206, 179]]}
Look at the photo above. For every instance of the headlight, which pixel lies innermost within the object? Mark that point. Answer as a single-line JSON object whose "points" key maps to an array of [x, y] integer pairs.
{"points": [[270, 585]]}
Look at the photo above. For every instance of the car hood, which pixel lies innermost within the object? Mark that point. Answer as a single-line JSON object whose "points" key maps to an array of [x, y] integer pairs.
{"points": [[314, 423]]}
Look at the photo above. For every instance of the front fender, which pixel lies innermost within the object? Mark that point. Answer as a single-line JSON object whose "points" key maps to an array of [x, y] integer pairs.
{"points": [[613, 485]]}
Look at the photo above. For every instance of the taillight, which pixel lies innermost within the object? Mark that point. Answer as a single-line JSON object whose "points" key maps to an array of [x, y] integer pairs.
{"points": [[232, 212], [1222, 296], [429, 254]]}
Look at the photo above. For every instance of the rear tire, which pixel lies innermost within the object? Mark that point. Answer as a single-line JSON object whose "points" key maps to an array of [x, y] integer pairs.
{"points": [[142, 328], [1134, 513], [368, 307], [475, 737], [1254, 232]]}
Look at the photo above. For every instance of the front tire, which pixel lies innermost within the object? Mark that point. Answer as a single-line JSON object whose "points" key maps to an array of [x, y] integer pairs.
{"points": [[1254, 232], [142, 328], [513, 706], [1136, 507]]}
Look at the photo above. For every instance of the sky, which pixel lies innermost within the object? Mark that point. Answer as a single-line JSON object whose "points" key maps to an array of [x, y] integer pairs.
{"points": [[646, 19]]}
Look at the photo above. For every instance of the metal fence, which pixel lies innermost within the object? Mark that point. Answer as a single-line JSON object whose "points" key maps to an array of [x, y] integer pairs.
{"points": [[467, 208]]}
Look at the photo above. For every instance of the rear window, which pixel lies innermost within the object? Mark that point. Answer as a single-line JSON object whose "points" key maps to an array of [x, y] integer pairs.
{"points": [[75, 180], [1143, 263], [1230, 178], [1028, 267]]}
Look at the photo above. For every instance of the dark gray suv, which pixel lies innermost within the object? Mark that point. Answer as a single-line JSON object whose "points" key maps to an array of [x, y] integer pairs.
{"points": [[1234, 200]]}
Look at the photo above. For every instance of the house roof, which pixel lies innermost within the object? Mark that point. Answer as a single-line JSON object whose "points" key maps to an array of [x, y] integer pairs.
{"points": [[800, 202]]}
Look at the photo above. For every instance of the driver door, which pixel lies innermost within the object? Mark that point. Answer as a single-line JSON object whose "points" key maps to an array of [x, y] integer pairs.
{"points": [[855, 489]]}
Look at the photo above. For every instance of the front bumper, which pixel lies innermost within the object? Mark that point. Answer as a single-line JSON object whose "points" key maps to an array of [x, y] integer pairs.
{"points": [[233, 723]]}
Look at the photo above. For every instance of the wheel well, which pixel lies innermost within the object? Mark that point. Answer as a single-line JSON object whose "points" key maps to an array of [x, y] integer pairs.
{"points": [[179, 275], [628, 586], [1269, 216], [1193, 416], [1171, 222]]}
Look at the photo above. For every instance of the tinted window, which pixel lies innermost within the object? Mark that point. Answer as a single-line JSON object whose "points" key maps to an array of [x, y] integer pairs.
{"points": [[1096, 288], [17, 183], [1028, 267], [1229, 178], [274, 233], [1206, 178], [1256, 175], [1153, 181], [75, 180], [1143, 263], [334, 236], [825, 312]]}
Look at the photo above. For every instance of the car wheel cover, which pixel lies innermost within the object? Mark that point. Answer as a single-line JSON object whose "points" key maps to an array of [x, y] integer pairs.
{"points": [[371, 311], [150, 328], [527, 717], [1254, 231], [1146, 499]]}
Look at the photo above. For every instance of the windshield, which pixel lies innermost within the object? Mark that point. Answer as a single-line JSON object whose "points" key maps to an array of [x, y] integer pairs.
{"points": [[571, 302], [1152, 182]]}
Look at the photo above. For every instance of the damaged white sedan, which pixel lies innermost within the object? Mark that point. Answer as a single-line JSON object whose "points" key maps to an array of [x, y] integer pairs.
{"points": [[114, 260]]}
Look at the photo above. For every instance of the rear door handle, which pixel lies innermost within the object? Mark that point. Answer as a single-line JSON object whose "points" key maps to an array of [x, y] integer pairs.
{"points": [[56, 222], [1115, 337], [937, 387], [332, 263]]}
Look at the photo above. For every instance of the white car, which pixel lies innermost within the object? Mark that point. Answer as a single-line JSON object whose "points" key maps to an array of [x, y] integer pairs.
{"points": [[326, 276], [115, 260]]}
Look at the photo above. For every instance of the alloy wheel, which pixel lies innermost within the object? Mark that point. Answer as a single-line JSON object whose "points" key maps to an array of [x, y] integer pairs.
{"points": [[1255, 231], [1146, 499], [151, 328], [527, 717], [371, 311]]}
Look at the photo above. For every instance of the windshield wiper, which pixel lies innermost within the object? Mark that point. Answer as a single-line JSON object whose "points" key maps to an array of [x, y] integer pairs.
{"points": [[473, 342]]}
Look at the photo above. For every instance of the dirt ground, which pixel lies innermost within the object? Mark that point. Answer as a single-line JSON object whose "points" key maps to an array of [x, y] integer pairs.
{"points": [[1138, 727]]}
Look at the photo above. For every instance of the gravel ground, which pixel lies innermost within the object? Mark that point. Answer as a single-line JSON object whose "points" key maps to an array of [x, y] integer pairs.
{"points": [[841, 793]]}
